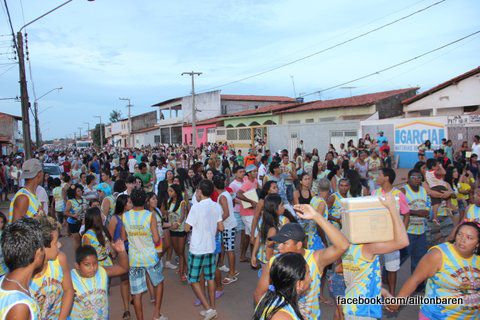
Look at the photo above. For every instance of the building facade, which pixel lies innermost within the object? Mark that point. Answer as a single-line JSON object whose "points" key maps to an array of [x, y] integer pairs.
{"points": [[10, 137]]}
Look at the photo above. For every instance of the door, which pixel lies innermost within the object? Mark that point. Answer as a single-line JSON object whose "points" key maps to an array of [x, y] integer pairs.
{"points": [[292, 143]]}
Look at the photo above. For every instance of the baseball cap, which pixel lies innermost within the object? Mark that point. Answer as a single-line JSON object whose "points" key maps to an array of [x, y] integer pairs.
{"points": [[292, 231], [380, 131], [31, 168], [250, 168]]}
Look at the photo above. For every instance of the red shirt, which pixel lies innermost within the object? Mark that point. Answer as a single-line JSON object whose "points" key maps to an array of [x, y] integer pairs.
{"points": [[247, 186], [67, 166]]}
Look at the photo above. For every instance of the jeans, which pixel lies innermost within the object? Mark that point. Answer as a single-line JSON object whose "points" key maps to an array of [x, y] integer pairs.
{"points": [[415, 250], [290, 192]]}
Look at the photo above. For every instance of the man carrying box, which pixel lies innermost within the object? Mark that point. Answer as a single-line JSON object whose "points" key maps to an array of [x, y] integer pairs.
{"points": [[385, 180]]}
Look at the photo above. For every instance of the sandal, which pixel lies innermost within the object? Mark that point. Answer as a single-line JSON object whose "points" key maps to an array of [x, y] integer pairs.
{"points": [[183, 278], [228, 280], [126, 315]]}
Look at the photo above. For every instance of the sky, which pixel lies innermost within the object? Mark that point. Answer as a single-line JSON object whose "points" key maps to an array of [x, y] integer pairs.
{"points": [[102, 50]]}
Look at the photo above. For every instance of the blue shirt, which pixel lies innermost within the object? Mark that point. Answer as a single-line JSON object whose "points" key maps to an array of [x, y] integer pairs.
{"points": [[381, 139]]}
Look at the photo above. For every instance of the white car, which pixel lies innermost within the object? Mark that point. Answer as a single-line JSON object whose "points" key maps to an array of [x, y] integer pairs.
{"points": [[52, 169]]}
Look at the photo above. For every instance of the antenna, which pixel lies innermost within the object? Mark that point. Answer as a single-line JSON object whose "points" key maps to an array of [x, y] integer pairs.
{"points": [[348, 88], [293, 84]]}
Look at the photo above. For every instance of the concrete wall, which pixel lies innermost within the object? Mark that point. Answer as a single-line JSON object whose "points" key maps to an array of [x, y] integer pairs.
{"points": [[207, 104], [335, 113], [202, 134], [237, 106], [145, 138], [392, 106], [316, 135], [144, 120], [465, 93]]}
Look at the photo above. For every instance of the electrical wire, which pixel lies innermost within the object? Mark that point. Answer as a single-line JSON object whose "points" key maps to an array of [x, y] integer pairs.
{"points": [[393, 66], [328, 48]]}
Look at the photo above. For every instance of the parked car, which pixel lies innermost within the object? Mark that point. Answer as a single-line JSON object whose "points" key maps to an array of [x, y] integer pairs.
{"points": [[52, 169]]}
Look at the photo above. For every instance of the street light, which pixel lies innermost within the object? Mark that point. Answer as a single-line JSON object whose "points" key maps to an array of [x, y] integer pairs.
{"points": [[101, 132], [27, 140], [36, 114]]}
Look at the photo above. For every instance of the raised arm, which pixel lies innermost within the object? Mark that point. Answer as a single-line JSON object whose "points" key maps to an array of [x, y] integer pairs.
{"points": [[67, 286], [340, 244]]}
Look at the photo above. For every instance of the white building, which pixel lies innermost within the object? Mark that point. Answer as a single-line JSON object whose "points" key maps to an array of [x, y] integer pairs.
{"points": [[457, 96], [175, 112]]}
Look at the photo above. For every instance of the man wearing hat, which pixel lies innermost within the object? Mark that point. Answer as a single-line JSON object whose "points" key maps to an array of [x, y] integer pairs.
{"points": [[290, 238], [25, 202]]}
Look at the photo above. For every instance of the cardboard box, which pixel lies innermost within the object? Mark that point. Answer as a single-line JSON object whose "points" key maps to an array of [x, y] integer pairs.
{"points": [[251, 195], [366, 220]]}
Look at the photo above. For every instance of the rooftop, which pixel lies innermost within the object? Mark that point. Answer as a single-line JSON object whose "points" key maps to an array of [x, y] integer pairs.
{"points": [[264, 109], [239, 97], [445, 84], [355, 101], [11, 115]]}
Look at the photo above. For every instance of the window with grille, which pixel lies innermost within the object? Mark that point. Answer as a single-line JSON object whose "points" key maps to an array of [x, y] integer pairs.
{"points": [[351, 133], [293, 122], [244, 134], [328, 119], [224, 109], [156, 139], [337, 133], [221, 132], [232, 134], [200, 133], [309, 120], [211, 130]]}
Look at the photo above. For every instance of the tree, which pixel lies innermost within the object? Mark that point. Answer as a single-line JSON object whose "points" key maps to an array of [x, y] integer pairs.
{"points": [[96, 135], [115, 115]]}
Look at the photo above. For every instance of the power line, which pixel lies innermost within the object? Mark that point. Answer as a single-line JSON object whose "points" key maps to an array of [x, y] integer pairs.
{"points": [[393, 66], [328, 48], [11, 26]]}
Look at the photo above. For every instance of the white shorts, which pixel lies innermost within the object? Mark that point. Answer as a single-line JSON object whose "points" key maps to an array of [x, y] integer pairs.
{"points": [[247, 222], [392, 261]]}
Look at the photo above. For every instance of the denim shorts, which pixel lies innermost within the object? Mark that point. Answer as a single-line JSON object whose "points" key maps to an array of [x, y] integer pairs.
{"points": [[138, 277], [336, 284], [240, 225]]}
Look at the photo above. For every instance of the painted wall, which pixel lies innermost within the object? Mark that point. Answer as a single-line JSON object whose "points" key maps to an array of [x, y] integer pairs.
{"points": [[327, 113], [207, 104], [408, 134], [145, 138], [465, 93], [315, 135], [237, 106], [202, 133], [248, 120]]}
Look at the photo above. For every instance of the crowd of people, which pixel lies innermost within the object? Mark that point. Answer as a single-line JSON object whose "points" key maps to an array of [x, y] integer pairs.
{"points": [[201, 211]]}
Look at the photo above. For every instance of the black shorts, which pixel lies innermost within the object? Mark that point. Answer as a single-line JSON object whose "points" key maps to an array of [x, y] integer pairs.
{"points": [[74, 227], [178, 234]]}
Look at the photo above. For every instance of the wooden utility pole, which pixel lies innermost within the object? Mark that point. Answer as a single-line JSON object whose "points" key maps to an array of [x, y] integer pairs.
{"points": [[27, 142], [192, 74], [129, 106]]}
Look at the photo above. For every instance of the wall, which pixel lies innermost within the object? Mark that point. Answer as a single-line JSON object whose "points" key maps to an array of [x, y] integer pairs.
{"points": [[207, 104], [237, 106], [392, 106], [7, 127], [201, 133], [406, 134], [235, 121], [464, 93], [326, 113], [144, 120], [316, 135], [145, 138]]}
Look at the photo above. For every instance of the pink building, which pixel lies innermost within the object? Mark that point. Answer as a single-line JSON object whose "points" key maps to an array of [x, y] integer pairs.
{"points": [[205, 131]]}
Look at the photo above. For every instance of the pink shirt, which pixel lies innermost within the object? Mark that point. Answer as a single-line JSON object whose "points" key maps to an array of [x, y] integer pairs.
{"points": [[404, 208], [247, 186], [235, 186]]}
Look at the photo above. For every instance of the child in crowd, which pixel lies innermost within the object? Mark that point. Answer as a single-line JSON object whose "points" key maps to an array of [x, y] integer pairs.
{"points": [[142, 234], [473, 211], [52, 287], [434, 177], [90, 282], [97, 236], [24, 255]]}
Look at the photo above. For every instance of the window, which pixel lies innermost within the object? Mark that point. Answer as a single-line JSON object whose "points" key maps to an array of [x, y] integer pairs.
{"points": [[309, 120], [224, 109], [244, 134], [426, 113], [221, 132], [256, 107], [328, 119], [232, 134], [211, 130], [156, 139], [293, 122], [200, 133], [293, 135]]}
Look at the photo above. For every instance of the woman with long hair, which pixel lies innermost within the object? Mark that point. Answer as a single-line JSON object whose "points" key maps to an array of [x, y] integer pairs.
{"points": [[451, 269], [422, 149], [319, 172], [75, 212], [108, 201], [97, 236], [117, 231], [274, 216], [177, 213], [269, 187], [303, 194], [163, 225], [290, 278], [357, 189]]}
